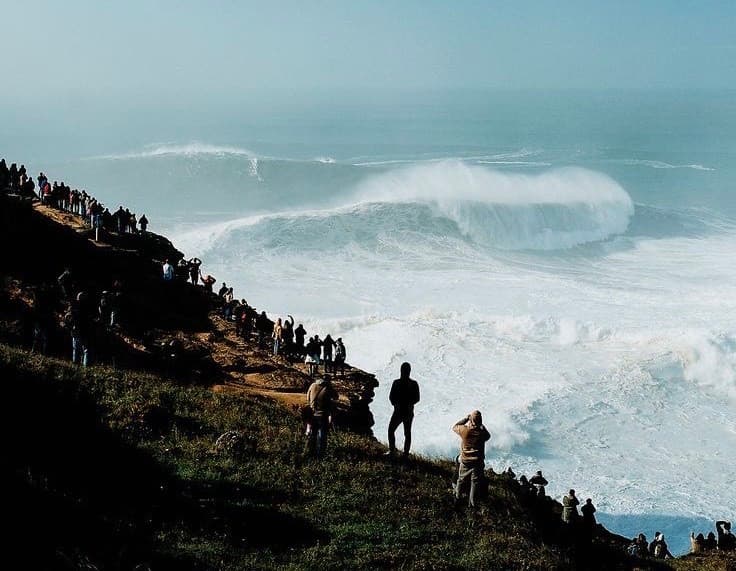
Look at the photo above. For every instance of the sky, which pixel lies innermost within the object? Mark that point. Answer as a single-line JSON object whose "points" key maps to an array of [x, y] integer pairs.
{"points": [[229, 48]]}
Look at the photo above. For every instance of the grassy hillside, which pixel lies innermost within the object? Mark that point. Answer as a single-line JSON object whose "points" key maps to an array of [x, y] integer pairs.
{"points": [[118, 469]]}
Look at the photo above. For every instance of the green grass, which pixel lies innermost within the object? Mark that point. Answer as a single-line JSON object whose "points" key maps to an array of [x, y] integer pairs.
{"points": [[124, 471]]}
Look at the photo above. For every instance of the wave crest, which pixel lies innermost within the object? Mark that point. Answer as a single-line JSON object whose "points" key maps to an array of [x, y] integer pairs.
{"points": [[557, 209]]}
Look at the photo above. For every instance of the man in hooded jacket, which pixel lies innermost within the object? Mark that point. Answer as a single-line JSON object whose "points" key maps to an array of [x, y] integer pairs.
{"points": [[472, 452], [321, 398]]}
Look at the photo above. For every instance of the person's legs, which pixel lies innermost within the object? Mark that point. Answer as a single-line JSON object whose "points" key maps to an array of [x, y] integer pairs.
{"points": [[311, 446], [475, 473], [323, 428], [407, 433], [463, 472], [393, 424], [85, 353], [75, 349]]}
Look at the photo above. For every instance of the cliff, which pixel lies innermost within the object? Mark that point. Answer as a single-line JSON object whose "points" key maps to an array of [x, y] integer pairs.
{"points": [[147, 462]]}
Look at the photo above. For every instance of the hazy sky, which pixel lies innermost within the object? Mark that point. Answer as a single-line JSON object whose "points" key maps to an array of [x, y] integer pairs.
{"points": [[145, 48]]}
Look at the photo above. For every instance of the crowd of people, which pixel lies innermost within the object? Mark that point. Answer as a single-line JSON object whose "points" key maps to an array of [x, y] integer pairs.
{"points": [[87, 314], [61, 197], [658, 549]]}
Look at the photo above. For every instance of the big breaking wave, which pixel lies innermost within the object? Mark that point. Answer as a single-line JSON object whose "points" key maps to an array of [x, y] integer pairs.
{"points": [[557, 209]]}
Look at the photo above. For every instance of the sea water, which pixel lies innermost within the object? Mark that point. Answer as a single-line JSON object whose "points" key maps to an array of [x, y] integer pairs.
{"points": [[563, 262]]}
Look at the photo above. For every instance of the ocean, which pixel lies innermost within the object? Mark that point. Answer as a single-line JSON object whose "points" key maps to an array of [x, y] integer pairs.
{"points": [[561, 261]]}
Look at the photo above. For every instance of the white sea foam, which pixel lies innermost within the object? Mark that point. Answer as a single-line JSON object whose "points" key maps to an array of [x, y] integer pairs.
{"points": [[660, 164], [515, 163], [186, 150], [614, 373]]}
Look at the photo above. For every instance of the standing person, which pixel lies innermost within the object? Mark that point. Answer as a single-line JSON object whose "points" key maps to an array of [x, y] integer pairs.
{"points": [[570, 508], [588, 511], [472, 452], [143, 221], [327, 346], [299, 334], [726, 539], [321, 398], [404, 395], [66, 283], [340, 355], [262, 325], [168, 271], [208, 283], [539, 482], [194, 273], [80, 320], [277, 335]]}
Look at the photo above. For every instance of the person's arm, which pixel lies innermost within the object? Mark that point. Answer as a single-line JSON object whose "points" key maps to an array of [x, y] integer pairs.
{"points": [[392, 394], [416, 394], [291, 319], [458, 427], [486, 434]]}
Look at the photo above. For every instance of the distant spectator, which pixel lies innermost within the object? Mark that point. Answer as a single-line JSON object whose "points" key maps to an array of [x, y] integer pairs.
{"points": [[277, 336], [710, 542], [726, 540], [588, 511], [639, 546], [570, 508], [79, 319], [340, 355], [327, 346], [223, 290], [208, 283], [321, 398], [66, 283], [194, 273], [697, 543], [168, 271], [144, 223], [539, 482], [299, 334], [660, 550], [262, 325]]}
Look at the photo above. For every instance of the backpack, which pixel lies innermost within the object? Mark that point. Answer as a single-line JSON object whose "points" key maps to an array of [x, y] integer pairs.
{"points": [[659, 551]]}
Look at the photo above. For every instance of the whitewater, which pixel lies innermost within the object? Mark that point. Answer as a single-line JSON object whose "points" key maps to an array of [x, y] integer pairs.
{"points": [[568, 271]]}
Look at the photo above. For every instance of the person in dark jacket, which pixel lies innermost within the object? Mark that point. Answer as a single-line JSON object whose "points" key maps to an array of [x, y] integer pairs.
{"points": [[539, 482], [299, 334], [472, 453], [726, 539], [404, 395], [570, 508]]}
